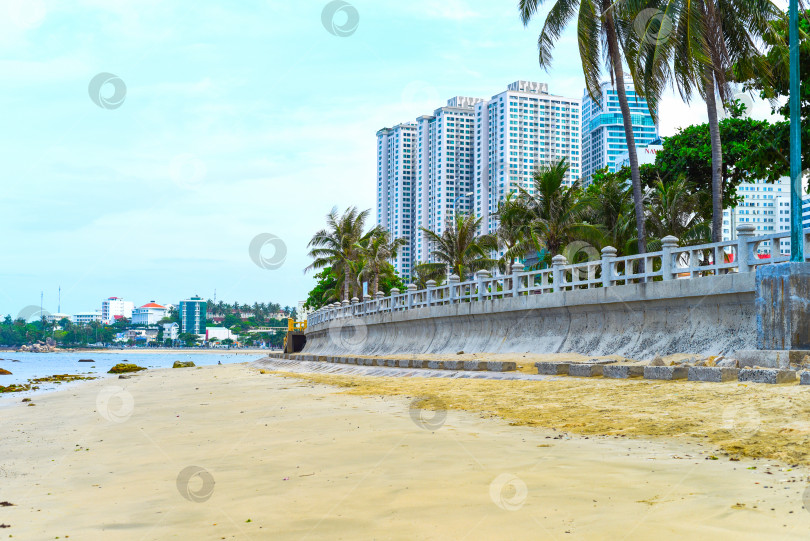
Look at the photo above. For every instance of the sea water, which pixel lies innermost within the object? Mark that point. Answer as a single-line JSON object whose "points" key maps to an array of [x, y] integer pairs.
{"points": [[25, 366]]}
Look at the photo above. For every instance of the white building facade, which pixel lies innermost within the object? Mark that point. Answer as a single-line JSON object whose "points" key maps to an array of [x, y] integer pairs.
{"points": [[766, 206], [517, 131], [395, 164], [443, 186], [83, 318], [113, 306], [149, 314], [603, 136], [466, 157]]}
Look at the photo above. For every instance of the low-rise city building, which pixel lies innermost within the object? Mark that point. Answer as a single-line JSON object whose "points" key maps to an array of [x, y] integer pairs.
{"points": [[220, 333], [114, 308], [83, 318], [149, 314], [170, 331]]}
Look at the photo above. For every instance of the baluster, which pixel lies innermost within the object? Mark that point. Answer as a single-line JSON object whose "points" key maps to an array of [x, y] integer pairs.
{"points": [[517, 268], [557, 278]]}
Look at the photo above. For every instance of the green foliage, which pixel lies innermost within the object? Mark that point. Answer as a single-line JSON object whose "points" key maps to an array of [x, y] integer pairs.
{"points": [[189, 339], [688, 155], [325, 290], [459, 248], [771, 158]]}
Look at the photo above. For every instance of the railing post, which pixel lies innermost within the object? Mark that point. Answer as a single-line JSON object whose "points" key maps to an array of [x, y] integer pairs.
{"points": [[431, 285], [453, 283], [481, 276], [556, 271], [411, 293], [608, 255], [668, 243], [378, 296], [517, 268], [745, 249], [394, 293], [366, 303]]}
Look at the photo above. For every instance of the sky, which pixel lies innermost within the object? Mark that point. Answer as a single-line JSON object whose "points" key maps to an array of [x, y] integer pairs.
{"points": [[146, 145]]}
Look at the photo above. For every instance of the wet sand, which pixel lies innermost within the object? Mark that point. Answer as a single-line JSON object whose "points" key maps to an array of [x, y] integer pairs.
{"points": [[284, 458]]}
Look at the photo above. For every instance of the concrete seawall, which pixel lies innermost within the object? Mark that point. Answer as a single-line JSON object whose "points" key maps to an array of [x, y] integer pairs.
{"points": [[709, 315]]}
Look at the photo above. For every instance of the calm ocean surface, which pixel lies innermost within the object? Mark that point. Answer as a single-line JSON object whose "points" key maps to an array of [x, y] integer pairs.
{"points": [[24, 366]]}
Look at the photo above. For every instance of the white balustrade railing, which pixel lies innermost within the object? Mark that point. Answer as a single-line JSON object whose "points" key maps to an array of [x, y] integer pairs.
{"points": [[670, 263]]}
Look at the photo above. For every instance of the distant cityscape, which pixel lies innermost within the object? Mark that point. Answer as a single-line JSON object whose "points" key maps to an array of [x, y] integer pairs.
{"points": [[469, 154], [166, 323]]}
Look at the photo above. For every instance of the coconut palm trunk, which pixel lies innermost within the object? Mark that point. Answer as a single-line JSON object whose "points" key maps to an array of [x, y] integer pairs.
{"points": [[635, 175], [717, 156]]}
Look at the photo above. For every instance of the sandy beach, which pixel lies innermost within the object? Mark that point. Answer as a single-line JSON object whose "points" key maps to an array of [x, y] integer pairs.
{"points": [[226, 452]]}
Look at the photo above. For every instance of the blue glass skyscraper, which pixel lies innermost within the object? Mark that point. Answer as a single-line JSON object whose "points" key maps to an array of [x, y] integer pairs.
{"points": [[603, 138]]}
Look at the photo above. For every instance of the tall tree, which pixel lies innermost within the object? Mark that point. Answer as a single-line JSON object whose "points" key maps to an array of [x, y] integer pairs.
{"points": [[513, 228], [336, 245], [695, 44], [598, 39], [377, 249], [673, 211], [610, 208], [459, 248], [556, 212]]}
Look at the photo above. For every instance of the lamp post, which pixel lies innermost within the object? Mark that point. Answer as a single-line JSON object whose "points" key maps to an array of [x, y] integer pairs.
{"points": [[796, 230]]}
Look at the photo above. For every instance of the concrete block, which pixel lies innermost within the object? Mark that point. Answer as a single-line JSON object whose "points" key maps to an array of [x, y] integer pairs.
{"points": [[419, 363], [585, 370], [453, 365], [390, 362], [368, 361], [766, 358], [552, 369], [404, 363], [767, 375], [501, 366], [622, 371], [714, 374], [475, 365], [804, 377], [435, 365], [665, 372], [379, 362]]}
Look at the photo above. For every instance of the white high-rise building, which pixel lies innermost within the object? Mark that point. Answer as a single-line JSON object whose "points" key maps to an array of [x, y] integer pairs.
{"points": [[517, 131], [112, 307], [764, 205], [395, 177], [603, 136], [444, 154]]}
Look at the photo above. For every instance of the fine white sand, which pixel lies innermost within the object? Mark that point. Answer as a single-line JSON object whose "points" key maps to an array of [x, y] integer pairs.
{"points": [[300, 461]]}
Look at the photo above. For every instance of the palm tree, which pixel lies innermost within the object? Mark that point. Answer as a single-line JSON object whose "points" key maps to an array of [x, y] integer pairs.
{"points": [[672, 212], [459, 248], [610, 208], [695, 44], [377, 250], [513, 229], [598, 37], [336, 245], [556, 212]]}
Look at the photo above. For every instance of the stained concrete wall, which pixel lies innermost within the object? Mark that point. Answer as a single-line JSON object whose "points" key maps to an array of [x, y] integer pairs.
{"points": [[708, 315]]}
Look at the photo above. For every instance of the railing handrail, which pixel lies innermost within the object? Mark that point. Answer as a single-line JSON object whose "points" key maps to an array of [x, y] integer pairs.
{"points": [[669, 263]]}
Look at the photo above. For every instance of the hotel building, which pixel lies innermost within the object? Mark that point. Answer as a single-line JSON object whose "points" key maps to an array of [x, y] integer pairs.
{"points": [[395, 188], [516, 131], [444, 154], [603, 137]]}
